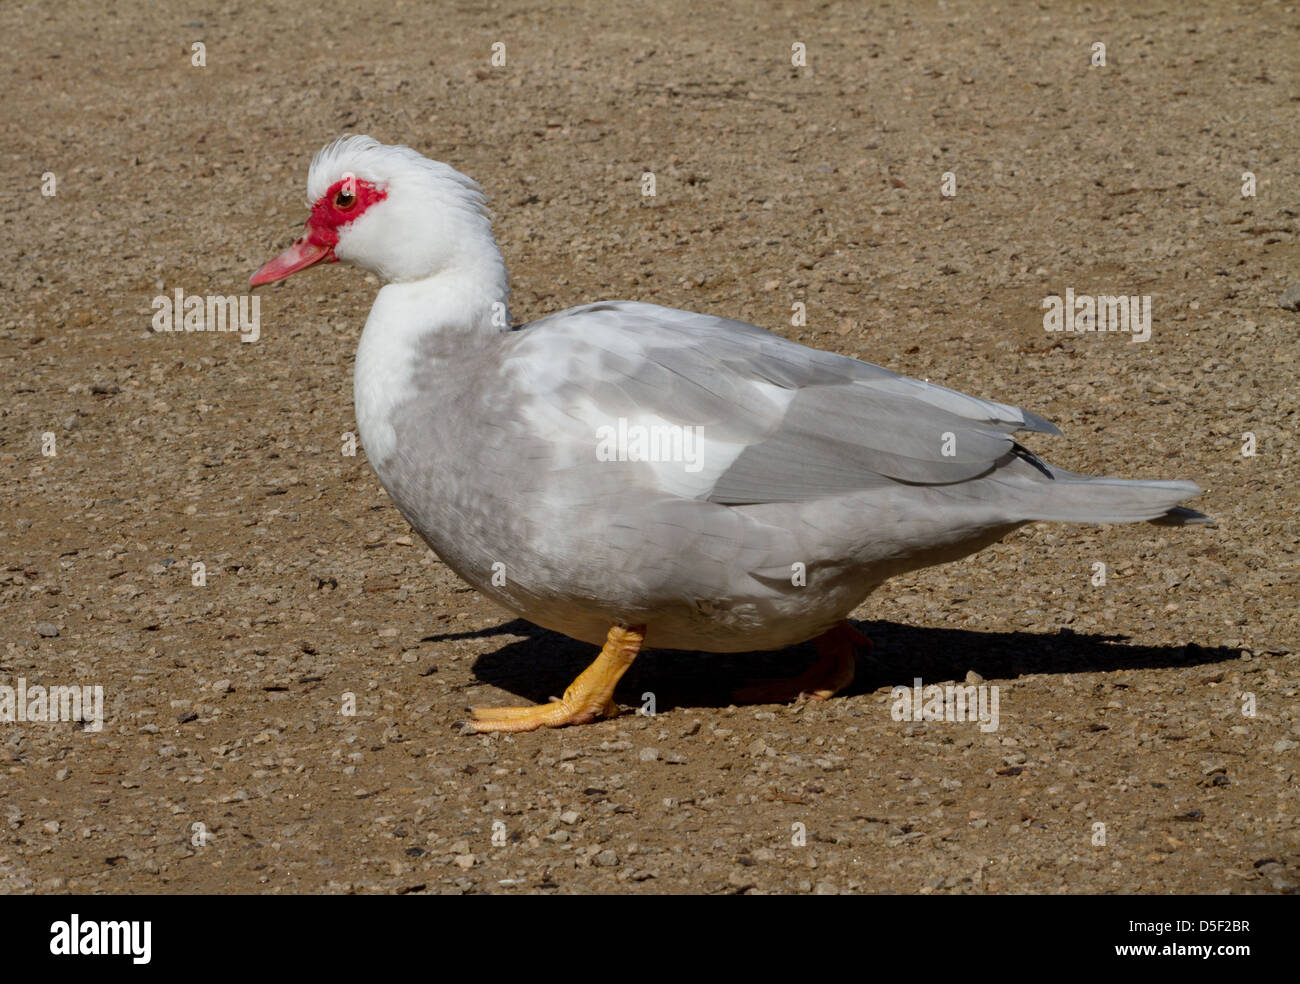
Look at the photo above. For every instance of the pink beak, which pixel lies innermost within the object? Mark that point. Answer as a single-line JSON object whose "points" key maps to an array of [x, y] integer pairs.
{"points": [[299, 256]]}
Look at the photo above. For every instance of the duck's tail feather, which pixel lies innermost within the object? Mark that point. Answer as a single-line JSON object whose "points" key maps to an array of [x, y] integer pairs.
{"points": [[1070, 498]]}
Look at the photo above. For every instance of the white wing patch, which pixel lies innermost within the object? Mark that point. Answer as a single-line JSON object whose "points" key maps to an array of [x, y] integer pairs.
{"points": [[685, 457], [684, 460]]}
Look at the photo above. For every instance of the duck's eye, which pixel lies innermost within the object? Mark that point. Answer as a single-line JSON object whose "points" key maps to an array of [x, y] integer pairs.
{"points": [[344, 199]]}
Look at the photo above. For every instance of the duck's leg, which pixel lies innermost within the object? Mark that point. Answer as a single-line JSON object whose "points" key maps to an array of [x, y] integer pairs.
{"points": [[588, 697], [833, 671]]}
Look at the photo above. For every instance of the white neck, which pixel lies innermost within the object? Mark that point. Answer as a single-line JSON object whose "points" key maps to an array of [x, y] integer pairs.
{"points": [[469, 299]]}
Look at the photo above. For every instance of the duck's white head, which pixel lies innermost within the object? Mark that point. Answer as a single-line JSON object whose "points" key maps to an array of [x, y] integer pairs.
{"points": [[394, 212]]}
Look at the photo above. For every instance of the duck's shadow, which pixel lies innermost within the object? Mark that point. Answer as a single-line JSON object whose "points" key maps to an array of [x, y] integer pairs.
{"points": [[541, 664]]}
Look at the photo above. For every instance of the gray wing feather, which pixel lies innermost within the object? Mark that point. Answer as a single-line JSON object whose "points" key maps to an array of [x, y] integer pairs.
{"points": [[810, 423]]}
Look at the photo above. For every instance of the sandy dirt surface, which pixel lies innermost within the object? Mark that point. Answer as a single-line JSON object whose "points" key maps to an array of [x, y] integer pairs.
{"points": [[1148, 729]]}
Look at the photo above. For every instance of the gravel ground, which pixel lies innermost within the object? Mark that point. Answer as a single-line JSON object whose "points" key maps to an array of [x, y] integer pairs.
{"points": [[1148, 727]]}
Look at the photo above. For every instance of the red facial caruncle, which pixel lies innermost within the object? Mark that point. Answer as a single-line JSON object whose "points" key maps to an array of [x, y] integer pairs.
{"points": [[344, 202]]}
